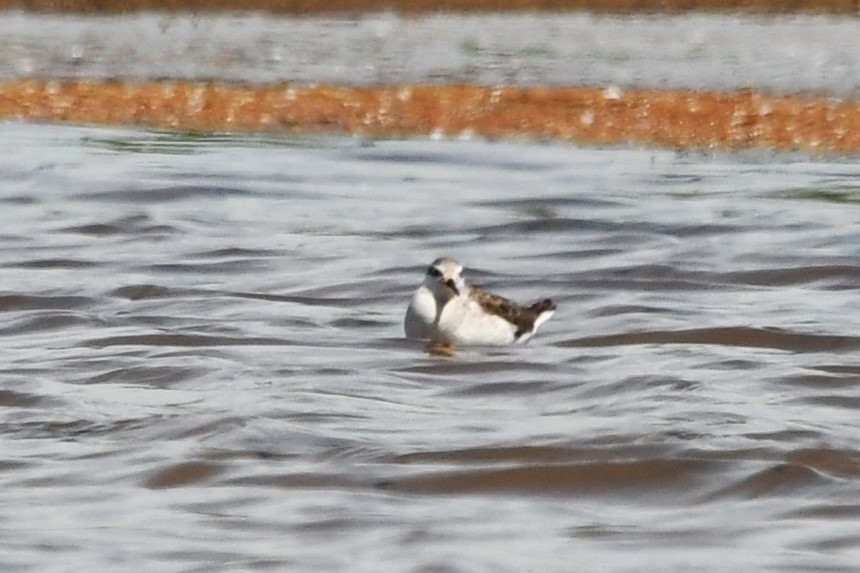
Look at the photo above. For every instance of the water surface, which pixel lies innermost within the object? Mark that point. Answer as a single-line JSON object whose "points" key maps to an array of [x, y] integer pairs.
{"points": [[203, 366]]}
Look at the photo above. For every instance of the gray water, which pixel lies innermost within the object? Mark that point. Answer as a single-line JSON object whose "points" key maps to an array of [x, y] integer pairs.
{"points": [[202, 364], [717, 52]]}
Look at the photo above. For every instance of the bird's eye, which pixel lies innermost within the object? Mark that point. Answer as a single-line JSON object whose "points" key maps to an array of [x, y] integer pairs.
{"points": [[434, 272]]}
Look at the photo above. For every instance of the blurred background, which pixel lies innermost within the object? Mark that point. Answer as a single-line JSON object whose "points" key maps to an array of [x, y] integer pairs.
{"points": [[214, 215]]}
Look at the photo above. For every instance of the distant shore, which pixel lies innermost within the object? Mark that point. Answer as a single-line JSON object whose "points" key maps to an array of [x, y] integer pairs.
{"points": [[419, 6], [594, 115], [679, 119]]}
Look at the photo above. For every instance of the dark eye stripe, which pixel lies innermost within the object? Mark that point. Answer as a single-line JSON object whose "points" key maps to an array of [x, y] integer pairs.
{"points": [[434, 272]]}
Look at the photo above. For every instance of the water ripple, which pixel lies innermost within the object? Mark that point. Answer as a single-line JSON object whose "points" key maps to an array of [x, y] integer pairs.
{"points": [[203, 349], [774, 338]]}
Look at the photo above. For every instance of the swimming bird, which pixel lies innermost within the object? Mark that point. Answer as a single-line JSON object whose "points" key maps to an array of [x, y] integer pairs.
{"points": [[445, 309]]}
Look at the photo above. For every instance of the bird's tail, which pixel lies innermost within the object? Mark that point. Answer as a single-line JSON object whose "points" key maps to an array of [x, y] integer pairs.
{"points": [[544, 310]]}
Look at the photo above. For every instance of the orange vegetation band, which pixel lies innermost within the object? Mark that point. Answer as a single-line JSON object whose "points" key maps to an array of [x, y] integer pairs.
{"points": [[583, 115]]}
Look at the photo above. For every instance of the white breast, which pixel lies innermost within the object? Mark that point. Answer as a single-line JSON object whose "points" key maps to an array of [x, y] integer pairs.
{"points": [[421, 315]]}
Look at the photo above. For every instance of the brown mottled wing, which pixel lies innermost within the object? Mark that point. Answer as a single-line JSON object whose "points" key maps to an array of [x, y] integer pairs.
{"points": [[523, 317]]}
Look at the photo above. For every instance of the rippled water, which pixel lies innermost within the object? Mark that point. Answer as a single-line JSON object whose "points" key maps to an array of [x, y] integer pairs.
{"points": [[203, 367]]}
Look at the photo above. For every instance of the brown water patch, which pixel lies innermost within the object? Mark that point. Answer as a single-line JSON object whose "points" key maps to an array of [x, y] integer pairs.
{"points": [[189, 340], [142, 292], [188, 473], [841, 464], [782, 479], [310, 481], [15, 302], [526, 455], [52, 264], [12, 399], [610, 478], [584, 115], [776, 338]]}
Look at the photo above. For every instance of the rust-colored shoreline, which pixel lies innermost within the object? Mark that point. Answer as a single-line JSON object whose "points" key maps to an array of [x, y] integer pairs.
{"points": [[419, 6], [682, 119]]}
